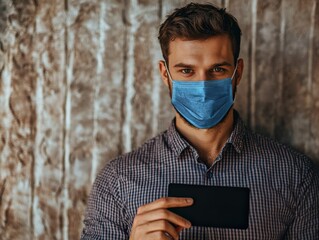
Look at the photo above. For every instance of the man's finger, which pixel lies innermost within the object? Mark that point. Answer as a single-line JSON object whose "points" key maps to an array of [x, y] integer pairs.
{"points": [[167, 202], [161, 226], [161, 214]]}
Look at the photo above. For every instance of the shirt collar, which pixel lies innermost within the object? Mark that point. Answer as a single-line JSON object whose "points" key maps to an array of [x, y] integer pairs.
{"points": [[236, 139], [237, 136], [176, 141]]}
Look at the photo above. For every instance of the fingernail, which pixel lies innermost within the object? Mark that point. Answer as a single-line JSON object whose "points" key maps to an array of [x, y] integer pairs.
{"points": [[189, 200], [188, 224]]}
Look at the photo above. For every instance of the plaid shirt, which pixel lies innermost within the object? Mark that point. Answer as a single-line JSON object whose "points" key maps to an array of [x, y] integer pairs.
{"points": [[284, 184]]}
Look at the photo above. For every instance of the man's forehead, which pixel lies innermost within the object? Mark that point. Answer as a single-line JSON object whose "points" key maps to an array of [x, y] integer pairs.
{"points": [[182, 40], [218, 48]]}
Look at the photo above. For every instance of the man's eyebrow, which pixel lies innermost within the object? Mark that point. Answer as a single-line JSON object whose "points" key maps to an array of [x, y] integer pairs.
{"points": [[184, 65], [222, 64]]}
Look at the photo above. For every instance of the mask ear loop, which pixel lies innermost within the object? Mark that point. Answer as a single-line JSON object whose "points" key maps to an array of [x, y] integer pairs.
{"points": [[235, 89], [170, 78], [168, 73], [234, 70]]}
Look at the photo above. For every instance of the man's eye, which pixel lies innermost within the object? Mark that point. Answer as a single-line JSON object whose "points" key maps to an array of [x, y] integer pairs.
{"points": [[218, 69], [186, 71]]}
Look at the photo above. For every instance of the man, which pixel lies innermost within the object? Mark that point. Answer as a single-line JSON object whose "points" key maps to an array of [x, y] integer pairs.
{"points": [[206, 144]]}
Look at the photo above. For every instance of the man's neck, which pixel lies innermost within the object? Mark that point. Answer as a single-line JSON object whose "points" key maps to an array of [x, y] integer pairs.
{"points": [[207, 142]]}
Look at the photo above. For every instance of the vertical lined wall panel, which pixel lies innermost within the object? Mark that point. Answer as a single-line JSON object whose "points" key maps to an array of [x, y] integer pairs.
{"points": [[109, 90], [267, 77], [242, 10], [79, 85], [313, 142], [48, 58], [82, 50], [143, 17], [17, 217], [295, 88]]}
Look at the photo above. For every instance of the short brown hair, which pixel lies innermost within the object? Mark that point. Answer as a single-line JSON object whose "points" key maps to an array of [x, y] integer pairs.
{"points": [[199, 21]]}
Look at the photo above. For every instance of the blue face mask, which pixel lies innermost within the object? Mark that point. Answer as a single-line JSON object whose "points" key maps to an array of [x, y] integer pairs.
{"points": [[202, 103]]}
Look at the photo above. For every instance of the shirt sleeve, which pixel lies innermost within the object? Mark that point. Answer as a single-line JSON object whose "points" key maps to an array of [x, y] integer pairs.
{"points": [[105, 213], [306, 222]]}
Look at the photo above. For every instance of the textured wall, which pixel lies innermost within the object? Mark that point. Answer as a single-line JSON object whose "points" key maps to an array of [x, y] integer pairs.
{"points": [[79, 85]]}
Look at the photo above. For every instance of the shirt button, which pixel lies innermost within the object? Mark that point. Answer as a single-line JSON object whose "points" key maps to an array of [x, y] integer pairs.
{"points": [[209, 174]]}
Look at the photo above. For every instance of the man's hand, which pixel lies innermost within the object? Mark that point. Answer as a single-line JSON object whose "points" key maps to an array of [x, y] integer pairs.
{"points": [[154, 221]]}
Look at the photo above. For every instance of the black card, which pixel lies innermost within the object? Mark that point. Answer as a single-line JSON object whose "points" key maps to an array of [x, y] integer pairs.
{"points": [[214, 206]]}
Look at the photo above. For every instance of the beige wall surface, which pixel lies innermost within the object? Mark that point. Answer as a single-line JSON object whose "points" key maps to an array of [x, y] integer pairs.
{"points": [[79, 85]]}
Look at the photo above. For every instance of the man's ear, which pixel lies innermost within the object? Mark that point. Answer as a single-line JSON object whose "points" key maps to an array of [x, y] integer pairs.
{"points": [[240, 70], [163, 72]]}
